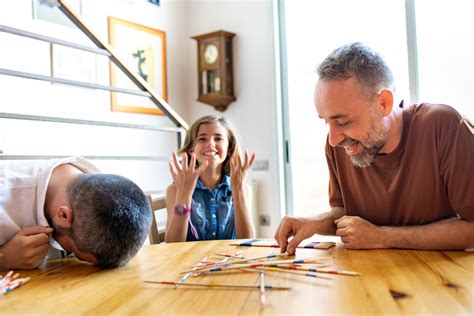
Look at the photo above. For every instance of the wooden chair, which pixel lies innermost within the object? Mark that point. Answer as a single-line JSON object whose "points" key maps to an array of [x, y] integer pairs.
{"points": [[158, 206]]}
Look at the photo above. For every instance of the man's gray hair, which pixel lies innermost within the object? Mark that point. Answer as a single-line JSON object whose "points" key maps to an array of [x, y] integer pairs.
{"points": [[359, 61]]}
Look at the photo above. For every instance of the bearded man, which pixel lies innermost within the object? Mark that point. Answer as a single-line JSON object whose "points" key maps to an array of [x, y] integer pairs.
{"points": [[399, 177]]}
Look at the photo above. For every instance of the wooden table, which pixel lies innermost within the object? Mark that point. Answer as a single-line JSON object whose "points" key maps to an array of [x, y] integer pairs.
{"points": [[402, 282]]}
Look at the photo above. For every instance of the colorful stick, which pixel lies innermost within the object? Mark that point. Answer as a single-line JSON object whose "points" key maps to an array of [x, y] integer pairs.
{"points": [[272, 244], [218, 285], [229, 262], [10, 282], [235, 255], [189, 273], [262, 288], [253, 265], [319, 270], [292, 272]]}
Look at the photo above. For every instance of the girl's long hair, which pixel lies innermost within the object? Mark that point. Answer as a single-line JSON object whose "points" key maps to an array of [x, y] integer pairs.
{"points": [[232, 151]]}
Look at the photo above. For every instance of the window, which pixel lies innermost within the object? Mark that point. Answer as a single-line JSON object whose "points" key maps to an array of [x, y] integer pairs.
{"points": [[314, 28], [445, 53]]}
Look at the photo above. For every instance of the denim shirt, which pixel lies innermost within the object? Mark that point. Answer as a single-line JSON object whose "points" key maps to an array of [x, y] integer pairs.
{"points": [[212, 212]]}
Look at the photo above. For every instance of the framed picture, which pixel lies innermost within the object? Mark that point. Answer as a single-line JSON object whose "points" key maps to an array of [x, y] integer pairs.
{"points": [[142, 49], [73, 64], [46, 10]]}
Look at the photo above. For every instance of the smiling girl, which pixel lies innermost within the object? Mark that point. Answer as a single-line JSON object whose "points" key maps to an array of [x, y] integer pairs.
{"points": [[209, 198]]}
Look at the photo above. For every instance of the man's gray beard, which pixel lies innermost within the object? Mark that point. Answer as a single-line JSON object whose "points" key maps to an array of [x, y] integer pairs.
{"points": [[378, 134], [367, 157]]}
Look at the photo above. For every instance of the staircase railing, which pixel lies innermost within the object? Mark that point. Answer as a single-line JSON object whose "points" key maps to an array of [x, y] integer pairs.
{"points": [[139, 82], [145, 90], [104, 49]]}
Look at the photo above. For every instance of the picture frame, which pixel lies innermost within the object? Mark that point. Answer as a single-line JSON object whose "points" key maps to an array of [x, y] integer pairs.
{"points": [[142, 49], [47, 11], [73, 64]]}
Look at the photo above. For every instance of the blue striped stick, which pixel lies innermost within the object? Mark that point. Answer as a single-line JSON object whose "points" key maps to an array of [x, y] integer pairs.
{"points": [[256, 264]]}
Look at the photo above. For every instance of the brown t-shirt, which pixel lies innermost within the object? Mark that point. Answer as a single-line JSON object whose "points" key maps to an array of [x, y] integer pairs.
{"points": [[428, 177]]}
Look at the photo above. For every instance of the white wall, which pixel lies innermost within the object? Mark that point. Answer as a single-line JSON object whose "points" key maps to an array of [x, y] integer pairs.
{"points": [[42, 98], [254, 112]]}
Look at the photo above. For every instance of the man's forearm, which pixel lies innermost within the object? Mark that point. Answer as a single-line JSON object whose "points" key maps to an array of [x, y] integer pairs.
{"points": [[452, 234], [324, 223]]}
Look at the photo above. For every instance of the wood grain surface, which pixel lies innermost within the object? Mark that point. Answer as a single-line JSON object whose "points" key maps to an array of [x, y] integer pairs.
{"points": [[399, 282]]}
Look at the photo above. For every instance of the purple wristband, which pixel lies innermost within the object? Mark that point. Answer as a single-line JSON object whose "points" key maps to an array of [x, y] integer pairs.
{"points": [[183, 210]]}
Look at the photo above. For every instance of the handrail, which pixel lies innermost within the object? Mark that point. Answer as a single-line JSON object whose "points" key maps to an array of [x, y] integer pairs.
{"points": [[44, 157], [27, 117], [145, 89], [142, 84], [44, 38], [70, 82]]}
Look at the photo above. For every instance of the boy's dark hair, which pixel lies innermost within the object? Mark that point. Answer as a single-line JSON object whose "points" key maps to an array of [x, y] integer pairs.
{"points": [[112, 217]]}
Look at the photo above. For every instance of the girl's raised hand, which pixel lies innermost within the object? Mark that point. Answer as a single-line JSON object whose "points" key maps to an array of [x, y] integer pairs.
{"points": [[185, 176], [239, 169]]}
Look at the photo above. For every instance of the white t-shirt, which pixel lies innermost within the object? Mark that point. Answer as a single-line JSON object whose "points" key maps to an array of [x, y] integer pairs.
{"points": [[23, 188]]}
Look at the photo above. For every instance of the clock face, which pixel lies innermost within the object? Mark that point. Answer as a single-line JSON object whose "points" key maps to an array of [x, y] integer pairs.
{"points": [[210, 54]]}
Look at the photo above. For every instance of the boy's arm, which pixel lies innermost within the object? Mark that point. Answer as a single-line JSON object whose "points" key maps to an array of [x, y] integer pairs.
{"points": [[26, 250]]}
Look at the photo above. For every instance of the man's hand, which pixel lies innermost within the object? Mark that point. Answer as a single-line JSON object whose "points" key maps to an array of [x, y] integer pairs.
{"points": [[27, 249], [357, 233], [300, 228]]}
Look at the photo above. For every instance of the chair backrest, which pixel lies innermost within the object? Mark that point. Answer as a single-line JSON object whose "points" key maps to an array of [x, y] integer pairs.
{"points": [[158, 224]]}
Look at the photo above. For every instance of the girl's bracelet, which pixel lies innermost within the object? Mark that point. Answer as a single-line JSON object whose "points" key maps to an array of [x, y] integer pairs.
{"points": [[181, 209]]}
